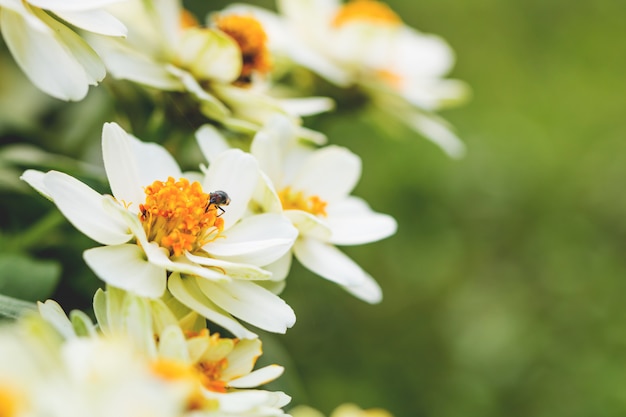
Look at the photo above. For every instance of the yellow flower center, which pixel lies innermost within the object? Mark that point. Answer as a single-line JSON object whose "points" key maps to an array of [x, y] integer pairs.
{"points": [[177, 216], [176, 371], [12, 402], [367, 10], [188, 20], [252, 40], [296, 200]]}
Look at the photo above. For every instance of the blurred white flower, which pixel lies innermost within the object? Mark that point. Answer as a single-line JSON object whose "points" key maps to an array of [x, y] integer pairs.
{"points": [[42, 37], [312, 188], [159, 227], [344, 410], [223, 66], [364, 43]]}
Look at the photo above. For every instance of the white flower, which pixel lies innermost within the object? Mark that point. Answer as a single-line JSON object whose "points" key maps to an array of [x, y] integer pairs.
{"points": [[364, 43], [158, 228], [224, 67], [344, 410], [312, 187], [52, 54]]}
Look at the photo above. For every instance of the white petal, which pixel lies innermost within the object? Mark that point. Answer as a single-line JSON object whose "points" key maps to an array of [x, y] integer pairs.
{"points": [[85, 209], [44, 58], [258, 377], [352, 222], [368, 290], [121, 166], [173, 345], [309, 225], [242, 358], [330, 173], [329, 262], [187, 292], [236, 173], [96, 21], [211, 142], [159, 256], [35, 178], [258, 240], [232, 269], [251, 303], [280, 268], [437, 131], [209, 54], [270, 145], [53, 313], [154, 162], [71, 4], [126, 267], [307, 106]]}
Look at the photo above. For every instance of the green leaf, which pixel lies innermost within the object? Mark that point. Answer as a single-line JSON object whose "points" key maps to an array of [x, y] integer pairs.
{"points": [[26, 278]]}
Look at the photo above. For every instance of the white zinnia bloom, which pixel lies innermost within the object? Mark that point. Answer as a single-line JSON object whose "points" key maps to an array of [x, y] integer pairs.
{"points": [[224, 66], [364, 43], [52, 54], [312, 188], [158, 228]]}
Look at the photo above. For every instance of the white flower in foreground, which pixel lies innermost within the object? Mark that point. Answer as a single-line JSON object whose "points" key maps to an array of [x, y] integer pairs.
{"points": [[224, 67], [41, 38], [218, 372], [312, 188], [42, 374], [364, 43], [158, 228], [344, 410]]}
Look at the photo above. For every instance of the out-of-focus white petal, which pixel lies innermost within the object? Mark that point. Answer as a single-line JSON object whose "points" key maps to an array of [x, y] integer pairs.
{"points": [[270, 145], [211, 142], [236, 173], [307, 106], [45, 60], [186, 291], [126, 267], [437, 131], [419, 55], [232, 269], [75, 5], [173, 344], [84, 208], [259, 377], [209, 54], [251, 303], [352, 222], [331, 173], [258, 240], [96, 21], [121, 166], [242, 358], [52, 312], [35, 178]]}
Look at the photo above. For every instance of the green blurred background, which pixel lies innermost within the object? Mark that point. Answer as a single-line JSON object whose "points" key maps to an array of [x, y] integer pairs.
{"points": [[504, 287]]}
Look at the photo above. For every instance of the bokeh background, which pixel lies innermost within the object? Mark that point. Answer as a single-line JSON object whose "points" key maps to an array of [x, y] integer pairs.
{"points": [[504, 287]]}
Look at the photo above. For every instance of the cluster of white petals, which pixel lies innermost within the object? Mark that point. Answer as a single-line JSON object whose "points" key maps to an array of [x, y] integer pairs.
{"points": [[42, 37]]}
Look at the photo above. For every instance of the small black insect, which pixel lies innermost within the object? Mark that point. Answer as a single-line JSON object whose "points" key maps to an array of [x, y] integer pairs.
{"points": [[218, 198]]}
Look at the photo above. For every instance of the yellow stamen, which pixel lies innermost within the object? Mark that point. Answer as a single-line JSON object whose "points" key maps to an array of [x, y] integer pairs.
{"points": [[390, 78], [188, 20], [296, 200], [176, 216], [367, 10], [11, 401], [252, 40], [176, 371]]}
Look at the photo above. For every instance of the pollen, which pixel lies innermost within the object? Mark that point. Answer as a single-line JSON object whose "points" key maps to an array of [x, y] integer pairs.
{"points": [[177, 216], [252, 40], [366, 10], [296, 200], [175, 371]]}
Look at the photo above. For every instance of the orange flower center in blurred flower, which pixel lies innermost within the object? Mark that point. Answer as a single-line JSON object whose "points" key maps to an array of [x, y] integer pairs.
{"points": [[366, 10], [252, 40], [175, 371], [296, 200], [177, 216], [188, 20], [12, 402]]}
